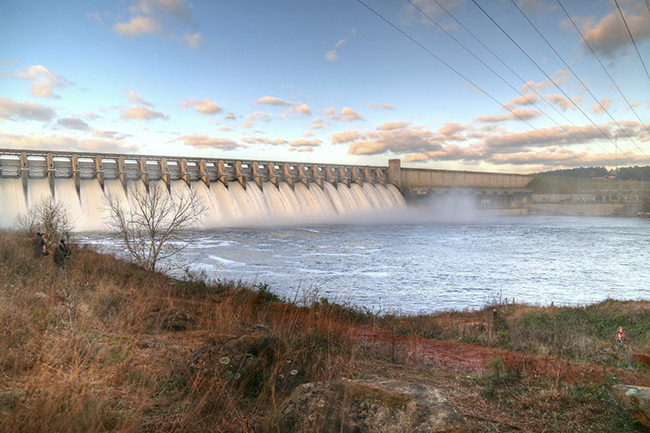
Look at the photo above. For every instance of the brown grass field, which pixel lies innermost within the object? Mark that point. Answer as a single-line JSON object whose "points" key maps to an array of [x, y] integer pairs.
{"points": [[106, 346]]}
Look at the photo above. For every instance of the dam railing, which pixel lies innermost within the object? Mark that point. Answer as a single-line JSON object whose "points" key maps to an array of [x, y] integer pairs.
{"points": [[31, 164]]}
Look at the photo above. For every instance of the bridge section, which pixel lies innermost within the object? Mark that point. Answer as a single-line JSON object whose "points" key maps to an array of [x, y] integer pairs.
{"points": [[481, 189]]}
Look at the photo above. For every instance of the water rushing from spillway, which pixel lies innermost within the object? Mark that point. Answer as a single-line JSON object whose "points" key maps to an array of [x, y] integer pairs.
{"points": [[232, 206]]}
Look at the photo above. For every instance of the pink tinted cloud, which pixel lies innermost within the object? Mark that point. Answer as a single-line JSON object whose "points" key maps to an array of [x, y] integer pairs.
{"points": [[609, 36], [138, 26], [207, 142], [142, 113], [207, 107], [42, 81]]}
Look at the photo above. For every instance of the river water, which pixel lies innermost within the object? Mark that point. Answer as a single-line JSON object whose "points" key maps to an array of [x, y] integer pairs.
{"points": [[433, 266]]}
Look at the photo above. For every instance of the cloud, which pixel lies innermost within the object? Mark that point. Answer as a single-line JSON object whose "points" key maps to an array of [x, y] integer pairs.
{"points": [[303, 109], [43, 81], [563, 102], [347, 114], [65, 143], [193, 41], [293, 107], [302, 145], [12, 110], [73, 123], [395, 138], [230, 116], [527, 99], [109, 135], [516, 114], [317, 123], [491, 144], [250, 119], [560, 77], [91, 116], [383, 107], [605, 104], [138, 26], [332, 55], [609, 36], [271, 100], [177, 8], [345, 137], [207, 142], [149, 17], [392, 125], [264, 140], [207, 107], [224, 128], [135, 97], [142, 113], [257, 140], [451, 129], [277, 102]]}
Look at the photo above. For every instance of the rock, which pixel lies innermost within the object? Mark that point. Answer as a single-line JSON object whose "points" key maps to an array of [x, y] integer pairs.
{"points": [[289, 375], [176, 320], [242, 360], [253, 341], [635, 400], [367, 406]]}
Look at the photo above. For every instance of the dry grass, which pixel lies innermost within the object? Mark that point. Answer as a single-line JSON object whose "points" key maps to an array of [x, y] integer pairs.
{"points": [[107, 345]]}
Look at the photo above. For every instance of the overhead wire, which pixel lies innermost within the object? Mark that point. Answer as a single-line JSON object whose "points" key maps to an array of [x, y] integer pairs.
{"points": [[580, 80], [532, 102], [449, 66], [603, 66], [632, 38], [603, 133]]}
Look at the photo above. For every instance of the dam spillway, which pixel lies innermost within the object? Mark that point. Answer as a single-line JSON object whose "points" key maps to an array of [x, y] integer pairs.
{"points": [[233, 192]]}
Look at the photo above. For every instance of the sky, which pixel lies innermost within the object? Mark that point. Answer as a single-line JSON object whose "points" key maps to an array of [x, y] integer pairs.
{"points": [[513, 86]]}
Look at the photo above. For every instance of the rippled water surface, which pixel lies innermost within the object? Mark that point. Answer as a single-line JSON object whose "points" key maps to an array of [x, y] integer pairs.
{"points": [[429, 267]]}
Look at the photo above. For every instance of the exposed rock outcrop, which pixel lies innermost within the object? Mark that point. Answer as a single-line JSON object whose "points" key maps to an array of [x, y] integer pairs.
{"points": [[368, 406], [240, 359], [635, 400]]}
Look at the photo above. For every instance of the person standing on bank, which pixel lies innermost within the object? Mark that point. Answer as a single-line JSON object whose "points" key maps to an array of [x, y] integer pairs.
{"points": [[40, 245], [61, 256]]}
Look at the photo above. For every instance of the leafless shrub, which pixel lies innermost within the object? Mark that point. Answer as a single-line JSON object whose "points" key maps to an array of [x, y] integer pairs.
{"points": [[47, 216], [150, 225]]}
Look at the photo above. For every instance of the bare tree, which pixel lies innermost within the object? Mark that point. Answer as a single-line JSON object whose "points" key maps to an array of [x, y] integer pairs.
{"points": [[151, 223], [47, 216]]}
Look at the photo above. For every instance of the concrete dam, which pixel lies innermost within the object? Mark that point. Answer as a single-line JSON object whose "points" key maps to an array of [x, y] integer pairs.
{"points": [[240, 192], [234, 192]]}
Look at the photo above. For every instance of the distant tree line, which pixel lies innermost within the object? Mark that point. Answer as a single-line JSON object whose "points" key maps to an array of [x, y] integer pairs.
{"points": [[623, 173]]}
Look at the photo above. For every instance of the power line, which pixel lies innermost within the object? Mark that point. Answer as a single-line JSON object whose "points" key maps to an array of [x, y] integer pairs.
{"points": [[631, 37], [466, 79], [578, 78], [520, 77], [603, 66], [496, 73], [547, 76]]}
